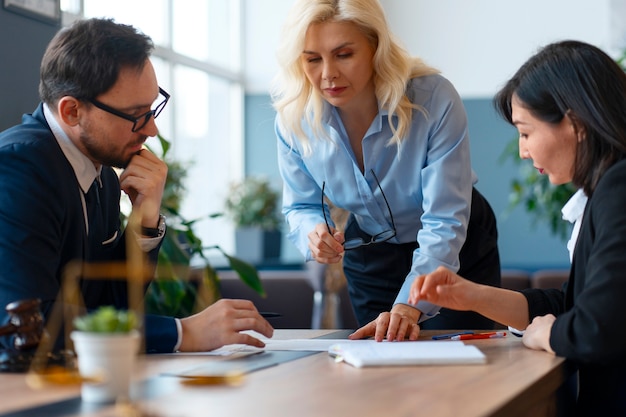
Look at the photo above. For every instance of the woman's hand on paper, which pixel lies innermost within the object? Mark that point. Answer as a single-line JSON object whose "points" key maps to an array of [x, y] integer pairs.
{"points": [[398, 324]]}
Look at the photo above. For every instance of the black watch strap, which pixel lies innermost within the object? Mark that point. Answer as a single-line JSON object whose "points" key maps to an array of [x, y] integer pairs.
{"points": [[155, 231]]}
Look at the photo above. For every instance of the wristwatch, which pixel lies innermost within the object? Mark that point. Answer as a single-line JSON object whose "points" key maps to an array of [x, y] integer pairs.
{"points": [[155, 231]]}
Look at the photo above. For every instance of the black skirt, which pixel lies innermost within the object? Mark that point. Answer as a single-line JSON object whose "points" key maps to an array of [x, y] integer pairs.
{"points": [[375, 273]]}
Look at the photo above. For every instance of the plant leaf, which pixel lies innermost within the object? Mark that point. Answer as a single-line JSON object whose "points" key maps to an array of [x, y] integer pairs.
{"points": [[246, 272]]}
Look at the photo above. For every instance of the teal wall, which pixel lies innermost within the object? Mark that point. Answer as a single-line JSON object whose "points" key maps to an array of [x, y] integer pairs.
{"points": [[521, 245]]}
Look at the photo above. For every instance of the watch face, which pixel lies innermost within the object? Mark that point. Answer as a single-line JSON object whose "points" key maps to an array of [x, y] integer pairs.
{"points": [[161, 225]]}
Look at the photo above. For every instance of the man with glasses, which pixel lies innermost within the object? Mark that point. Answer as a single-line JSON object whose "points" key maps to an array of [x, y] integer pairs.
{"points": [[60, 197]]}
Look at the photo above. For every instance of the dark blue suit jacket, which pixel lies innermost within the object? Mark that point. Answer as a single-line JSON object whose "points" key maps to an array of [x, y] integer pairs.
{"points": [[42, 227]]}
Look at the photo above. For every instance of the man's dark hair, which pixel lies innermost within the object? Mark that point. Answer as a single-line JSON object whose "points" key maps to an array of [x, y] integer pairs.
{"points": [[84, 59]]}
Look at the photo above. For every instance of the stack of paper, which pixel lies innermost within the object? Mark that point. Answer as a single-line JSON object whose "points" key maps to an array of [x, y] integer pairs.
{"points": [[372, 353]]}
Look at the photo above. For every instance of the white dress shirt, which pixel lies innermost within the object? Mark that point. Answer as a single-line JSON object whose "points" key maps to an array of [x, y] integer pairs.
{"points": [[573, 212]]}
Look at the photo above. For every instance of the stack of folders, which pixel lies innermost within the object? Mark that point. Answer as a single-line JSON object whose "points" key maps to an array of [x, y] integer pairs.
{"points": [[372, 353]]}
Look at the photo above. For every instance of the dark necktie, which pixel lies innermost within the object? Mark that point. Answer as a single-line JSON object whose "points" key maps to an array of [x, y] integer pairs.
{"points": [[97, 291], [94, 213]]}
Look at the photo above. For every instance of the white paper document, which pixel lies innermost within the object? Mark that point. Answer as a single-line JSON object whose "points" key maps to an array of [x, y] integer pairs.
{"points": [[372, 353], [317, 345], [311, 345]]}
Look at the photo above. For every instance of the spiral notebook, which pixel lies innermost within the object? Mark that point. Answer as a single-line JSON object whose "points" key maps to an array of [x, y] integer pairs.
{"points": [[372, 353]]}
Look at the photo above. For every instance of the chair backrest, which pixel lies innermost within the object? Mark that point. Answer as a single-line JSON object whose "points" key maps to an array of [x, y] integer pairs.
{"points": [[515, 279], [549, 278], [289, 294]]}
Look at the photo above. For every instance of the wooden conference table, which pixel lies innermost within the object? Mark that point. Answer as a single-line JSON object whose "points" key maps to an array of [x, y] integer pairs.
{"points": [[516, 381]]}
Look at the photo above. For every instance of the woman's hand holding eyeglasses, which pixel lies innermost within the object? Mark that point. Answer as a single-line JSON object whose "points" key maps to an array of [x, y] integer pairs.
{"points": [[325, 247]]}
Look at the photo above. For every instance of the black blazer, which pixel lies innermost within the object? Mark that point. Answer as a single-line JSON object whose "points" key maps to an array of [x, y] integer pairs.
{"points": [[590, 329], [42, 227]]}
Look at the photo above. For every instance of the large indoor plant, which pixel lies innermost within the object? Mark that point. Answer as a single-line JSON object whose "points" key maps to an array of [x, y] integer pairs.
{"points": [[178, 289], [252, 205]]}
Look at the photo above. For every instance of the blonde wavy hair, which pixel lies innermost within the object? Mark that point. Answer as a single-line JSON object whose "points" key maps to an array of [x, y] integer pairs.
{"points": [[297, 101]]}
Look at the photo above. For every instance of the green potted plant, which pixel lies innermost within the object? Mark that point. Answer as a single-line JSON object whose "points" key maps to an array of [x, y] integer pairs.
{"points": [[107, 319], [252, 205], [179, 290], [106, 343]]}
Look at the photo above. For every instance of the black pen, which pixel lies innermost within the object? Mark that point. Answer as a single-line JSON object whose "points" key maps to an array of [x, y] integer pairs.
{"points": [[270, 315]]}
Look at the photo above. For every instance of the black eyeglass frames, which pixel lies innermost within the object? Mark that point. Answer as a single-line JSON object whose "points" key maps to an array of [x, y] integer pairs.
{"points": [[358, 242], [139, 122]]}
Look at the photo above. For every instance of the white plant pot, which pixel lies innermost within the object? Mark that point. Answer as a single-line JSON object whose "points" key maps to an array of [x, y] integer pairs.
{"points": [[109, 360], [257, 246]]}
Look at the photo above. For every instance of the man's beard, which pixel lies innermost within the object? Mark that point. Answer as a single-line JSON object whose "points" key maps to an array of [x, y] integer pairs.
{"points": [[103, 155]]}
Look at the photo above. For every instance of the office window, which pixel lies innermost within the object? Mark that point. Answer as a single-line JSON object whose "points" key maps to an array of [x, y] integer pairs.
{"points": [[198, 60]]}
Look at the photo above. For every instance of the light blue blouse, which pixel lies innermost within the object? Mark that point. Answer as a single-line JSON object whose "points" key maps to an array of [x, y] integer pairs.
{"points": [[427, 181]]}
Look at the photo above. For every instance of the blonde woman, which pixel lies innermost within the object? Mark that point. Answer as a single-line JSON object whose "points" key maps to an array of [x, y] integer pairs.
{"points": [[383, 136]]}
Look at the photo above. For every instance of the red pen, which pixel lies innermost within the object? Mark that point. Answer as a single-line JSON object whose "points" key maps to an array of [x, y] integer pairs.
{"points": [[489, 335]]}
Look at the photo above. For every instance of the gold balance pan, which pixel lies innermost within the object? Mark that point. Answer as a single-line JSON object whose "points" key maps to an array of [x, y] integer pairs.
{"points": [[58, 375]]}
